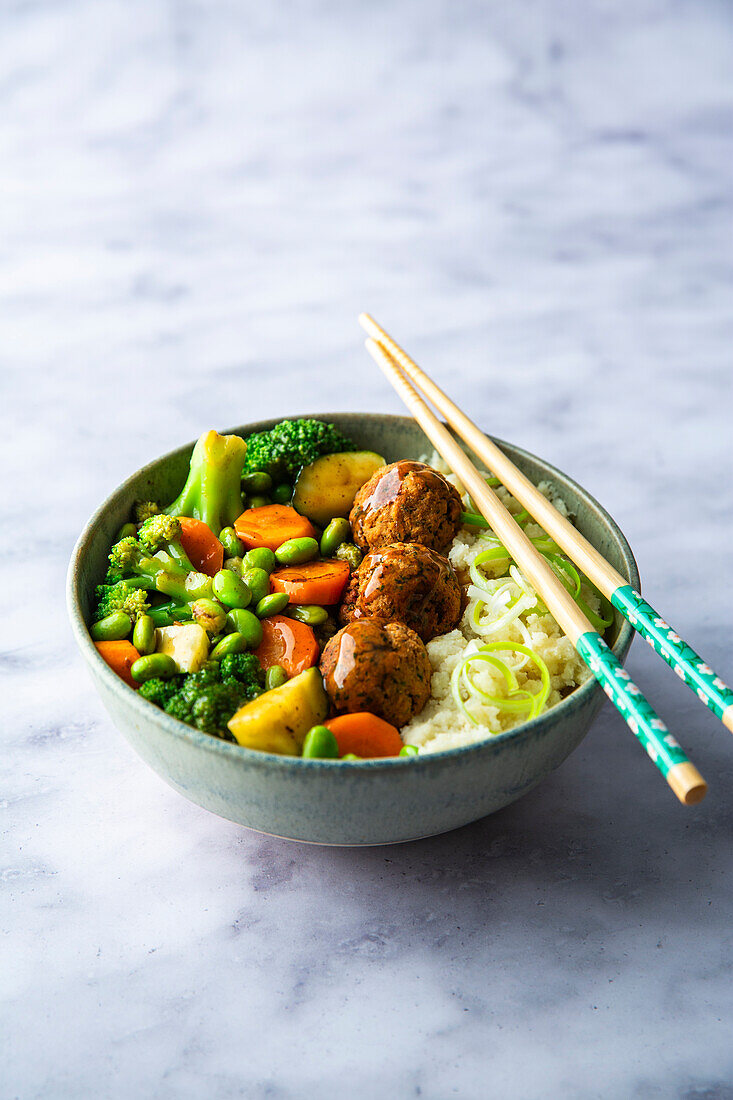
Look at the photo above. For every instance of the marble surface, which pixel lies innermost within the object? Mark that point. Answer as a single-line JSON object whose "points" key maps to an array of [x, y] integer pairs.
{"points": [[197, 200]]}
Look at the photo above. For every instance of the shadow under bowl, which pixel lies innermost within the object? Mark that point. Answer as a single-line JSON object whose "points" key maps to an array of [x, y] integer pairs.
{"points": [[326, 802]]}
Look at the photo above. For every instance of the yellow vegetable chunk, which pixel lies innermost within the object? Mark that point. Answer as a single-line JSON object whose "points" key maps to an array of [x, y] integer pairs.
{"points": [[279, 720], [186, 643], [326, 489]]}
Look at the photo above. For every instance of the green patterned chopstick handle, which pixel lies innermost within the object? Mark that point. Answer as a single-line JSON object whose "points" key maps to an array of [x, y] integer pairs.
{"points": [[690, 667], [638, 713]]}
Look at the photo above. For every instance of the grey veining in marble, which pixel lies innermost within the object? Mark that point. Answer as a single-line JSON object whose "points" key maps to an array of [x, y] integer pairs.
{"points": [[196, 201]]}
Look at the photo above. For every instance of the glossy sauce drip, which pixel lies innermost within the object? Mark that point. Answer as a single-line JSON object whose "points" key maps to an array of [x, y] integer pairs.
{"points": [[345, 661], [388, 485]]}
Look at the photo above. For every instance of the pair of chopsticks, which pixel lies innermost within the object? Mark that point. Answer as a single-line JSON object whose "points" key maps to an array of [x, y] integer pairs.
{"points": [[681, 774]]}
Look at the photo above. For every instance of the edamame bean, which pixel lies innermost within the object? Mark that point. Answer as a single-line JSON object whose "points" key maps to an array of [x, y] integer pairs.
{"points": [[230, 643], [230, 590], [271, 605], [350, 553], [320, 743], [409, 750], [337, 532], [153, 666], [309, 613], [236, 565], [143, 635], [232, 545], [210, 615], [258, 582], [247, 624], [258, 501], [262, 557], [350, 756], [257, 482], [112, 628], [126, 531], [275, 677], [297, 551], [282, 494]]}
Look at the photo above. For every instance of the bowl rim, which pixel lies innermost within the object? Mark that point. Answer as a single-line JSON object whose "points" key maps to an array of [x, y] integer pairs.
{"points": [[148, 712]]}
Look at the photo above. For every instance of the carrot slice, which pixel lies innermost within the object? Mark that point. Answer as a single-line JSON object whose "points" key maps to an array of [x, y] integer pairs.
{"points": [[120, 656], [365, 735], [272, 525], [288, 643], [319, 582], [201, 545]]}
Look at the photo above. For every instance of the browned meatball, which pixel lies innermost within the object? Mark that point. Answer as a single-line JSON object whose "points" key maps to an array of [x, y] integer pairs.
{"points": [[405, 583], [406, 502], [383, 668]]}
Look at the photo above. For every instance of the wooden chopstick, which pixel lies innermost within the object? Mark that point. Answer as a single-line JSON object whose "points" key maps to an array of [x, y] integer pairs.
{"points": [[682, 775], [699, 676]]}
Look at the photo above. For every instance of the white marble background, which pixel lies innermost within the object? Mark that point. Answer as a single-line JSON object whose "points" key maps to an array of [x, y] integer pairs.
{"points": [[197, 199]]}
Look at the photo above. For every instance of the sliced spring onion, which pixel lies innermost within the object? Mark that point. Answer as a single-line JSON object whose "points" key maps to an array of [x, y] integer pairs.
{"points": [[517, 700]]}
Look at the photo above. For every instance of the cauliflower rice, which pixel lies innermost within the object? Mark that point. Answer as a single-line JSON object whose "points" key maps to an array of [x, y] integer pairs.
{"points": [[443, 724]]}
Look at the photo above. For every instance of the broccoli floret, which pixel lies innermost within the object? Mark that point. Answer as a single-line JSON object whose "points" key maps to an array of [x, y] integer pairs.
{"points": [[163, 532], [144, 509], [213, 492], [243, 669], [204, 702], [160, 691], [207, 699], [122, 596], [129, 559], [284, 450]]}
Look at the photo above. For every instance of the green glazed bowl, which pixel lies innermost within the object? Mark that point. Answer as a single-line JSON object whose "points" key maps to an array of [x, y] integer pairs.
{"points": [[322, 801]]}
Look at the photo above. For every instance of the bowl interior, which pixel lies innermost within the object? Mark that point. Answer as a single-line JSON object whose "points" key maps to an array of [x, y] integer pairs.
{"points": [[392, 436]]}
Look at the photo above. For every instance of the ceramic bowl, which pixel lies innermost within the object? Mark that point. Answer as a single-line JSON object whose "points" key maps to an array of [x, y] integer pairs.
{"points": [[326, 802]]}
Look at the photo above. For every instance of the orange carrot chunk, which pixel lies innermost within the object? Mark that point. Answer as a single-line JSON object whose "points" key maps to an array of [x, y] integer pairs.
{"points": [[271, 526], [202, 546], [288, 643], [120, 656], [365, 735], [319, 582]]}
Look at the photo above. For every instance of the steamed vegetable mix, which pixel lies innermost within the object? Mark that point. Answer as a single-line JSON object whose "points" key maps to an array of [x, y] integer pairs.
{"points": [[285, 599], [209, 602]]}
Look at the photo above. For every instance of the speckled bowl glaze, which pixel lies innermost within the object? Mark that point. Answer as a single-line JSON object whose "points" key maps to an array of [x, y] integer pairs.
{"points": [[326, 802]]}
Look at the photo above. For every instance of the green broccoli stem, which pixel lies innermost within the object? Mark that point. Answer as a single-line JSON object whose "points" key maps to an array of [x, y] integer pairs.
{"points": [[165, 614], [212, 492]]}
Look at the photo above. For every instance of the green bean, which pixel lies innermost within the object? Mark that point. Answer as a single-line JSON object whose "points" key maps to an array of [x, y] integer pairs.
{"points": [[309, 613], [275, 677], [320, 743], [230, 590], [409, 750], [126, 531], [282, 494], [143, 635], [232, 545], [153, 666], [260, 558], [258, 582], [230, 643], [258, 501], [350, 553], [297, 551], [337, 532], [246, 624], [112, 628], [271, 605], [257, 482]]}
